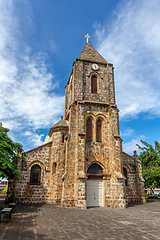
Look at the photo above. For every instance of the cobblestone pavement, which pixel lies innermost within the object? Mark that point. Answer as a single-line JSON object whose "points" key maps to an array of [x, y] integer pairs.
{"points": [[44, 222]]}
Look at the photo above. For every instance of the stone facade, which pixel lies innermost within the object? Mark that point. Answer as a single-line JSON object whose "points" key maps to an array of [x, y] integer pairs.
{"points": [[66, 157]]}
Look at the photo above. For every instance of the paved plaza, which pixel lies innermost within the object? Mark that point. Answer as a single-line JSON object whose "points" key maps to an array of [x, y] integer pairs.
{"points": [[44, 222]]}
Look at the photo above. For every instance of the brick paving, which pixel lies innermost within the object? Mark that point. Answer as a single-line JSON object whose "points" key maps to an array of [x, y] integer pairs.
{"points": [[44, 222]]}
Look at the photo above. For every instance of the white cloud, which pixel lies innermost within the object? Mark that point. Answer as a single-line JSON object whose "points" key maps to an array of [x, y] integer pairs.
{"points": [[129, 147], [28, 97], [36, 139], [132, 44], [127, 132], [28, 133]]}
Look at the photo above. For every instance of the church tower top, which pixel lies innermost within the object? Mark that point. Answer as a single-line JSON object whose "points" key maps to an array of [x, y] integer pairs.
{"points": [[91, 81], [90, 54]]}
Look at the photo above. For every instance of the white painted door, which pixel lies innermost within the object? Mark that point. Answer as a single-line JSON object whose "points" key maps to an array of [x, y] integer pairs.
{"points": [[94, 193]]}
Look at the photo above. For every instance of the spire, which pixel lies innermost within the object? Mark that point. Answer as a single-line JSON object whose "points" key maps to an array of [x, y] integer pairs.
{"points": [[89, 53]]}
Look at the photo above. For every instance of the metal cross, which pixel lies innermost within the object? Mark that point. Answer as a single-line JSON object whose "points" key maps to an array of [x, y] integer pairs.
{"points": [[87, 36]]}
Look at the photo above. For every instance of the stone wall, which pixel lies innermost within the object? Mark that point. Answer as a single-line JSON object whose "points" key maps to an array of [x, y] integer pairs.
{"points": [[134, 191], [24, 192], [50, 188]]}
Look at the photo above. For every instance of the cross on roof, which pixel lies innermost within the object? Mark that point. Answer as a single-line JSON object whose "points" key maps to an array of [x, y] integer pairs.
{"points": [[87, 36]]}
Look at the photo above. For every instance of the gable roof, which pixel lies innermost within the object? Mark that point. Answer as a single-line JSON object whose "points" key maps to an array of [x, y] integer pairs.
{"points": [[89, 53]]}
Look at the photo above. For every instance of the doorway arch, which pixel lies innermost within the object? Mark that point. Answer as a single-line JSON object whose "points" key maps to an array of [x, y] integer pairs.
{"points": [[94, 186], [95, 171]]}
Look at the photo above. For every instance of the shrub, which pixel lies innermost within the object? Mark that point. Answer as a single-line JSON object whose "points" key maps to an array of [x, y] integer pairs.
{"points": [[5, 190], [149, 196]]}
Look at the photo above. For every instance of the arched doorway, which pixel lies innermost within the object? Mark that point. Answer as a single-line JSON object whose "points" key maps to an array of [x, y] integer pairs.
{"points": [[94, 186]]}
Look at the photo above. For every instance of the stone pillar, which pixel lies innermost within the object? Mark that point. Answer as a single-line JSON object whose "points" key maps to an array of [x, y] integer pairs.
{"points": [[81, 198], [81, 176], [79, 158], [117, 198]]}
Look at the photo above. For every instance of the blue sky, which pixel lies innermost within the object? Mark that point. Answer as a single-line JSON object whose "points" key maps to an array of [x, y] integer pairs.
{"points": [[39, 40]]}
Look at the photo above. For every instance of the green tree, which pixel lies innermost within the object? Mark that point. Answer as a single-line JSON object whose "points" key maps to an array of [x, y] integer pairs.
{"points": [[150, 158], [9, 154]]}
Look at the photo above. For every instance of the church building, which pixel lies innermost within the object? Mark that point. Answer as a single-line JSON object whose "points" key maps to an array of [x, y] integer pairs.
{"points": [[81, 163]]}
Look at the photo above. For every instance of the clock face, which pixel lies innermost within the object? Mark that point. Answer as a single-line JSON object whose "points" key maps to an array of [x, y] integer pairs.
{"points": [[95, 66]]}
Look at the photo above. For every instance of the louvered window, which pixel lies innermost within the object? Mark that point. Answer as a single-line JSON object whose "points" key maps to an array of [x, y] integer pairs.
{"points": [[99, 130], [89, 130], [94, 84]]}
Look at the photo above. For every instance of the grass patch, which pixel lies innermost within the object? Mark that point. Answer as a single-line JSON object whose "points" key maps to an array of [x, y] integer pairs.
{"points": [[154, 200]]}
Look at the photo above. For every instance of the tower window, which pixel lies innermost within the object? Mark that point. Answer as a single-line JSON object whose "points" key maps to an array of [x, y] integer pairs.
{"points": [[89, 130], [99, 130], [94, 84], [35, 177]]}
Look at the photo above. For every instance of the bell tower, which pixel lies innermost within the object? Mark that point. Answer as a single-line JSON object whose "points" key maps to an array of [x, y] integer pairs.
{"points": [[93, 139], [91, 79]]}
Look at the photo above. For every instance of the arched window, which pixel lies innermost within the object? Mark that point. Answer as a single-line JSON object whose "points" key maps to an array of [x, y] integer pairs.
{"points": [[94, 84], [54, 167], [35, 177], [95, 172], [125, 174], [99, 130], [89, 130], [95, 169]]}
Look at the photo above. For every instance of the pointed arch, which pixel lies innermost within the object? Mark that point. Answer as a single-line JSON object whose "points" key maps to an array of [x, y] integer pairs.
{"points": [[89, 130], [94, 84], [99, 130]]}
